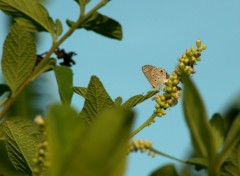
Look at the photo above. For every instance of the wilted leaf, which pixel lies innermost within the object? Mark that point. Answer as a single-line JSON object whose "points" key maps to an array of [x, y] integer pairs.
{"points": [[80, 91], [19, 56], [64, 78], [96, 100], [195, 115], [166, 170], [32, 11], [103, 25], [137, 99], [22, 139]]}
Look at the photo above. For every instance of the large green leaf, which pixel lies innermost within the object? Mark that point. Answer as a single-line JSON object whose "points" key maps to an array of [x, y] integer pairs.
{"points": [[19, 56], [166, 170], [135, 100], [232, 165], [101, 24], [96, 100], [64, 126], [22, 139], [64, 78], [99, 149], [28, 12], [195, 115]]}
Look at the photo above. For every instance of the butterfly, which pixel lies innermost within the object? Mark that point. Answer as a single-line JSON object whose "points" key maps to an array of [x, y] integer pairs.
{"points": [[156, 76]]}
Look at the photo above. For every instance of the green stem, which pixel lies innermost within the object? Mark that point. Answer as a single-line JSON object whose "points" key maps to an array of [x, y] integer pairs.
{"points": [[38, 70], [166, 155], [146, 123]]}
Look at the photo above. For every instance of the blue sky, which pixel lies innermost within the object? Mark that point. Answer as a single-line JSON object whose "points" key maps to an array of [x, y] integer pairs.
{"points": [[157, 33]]}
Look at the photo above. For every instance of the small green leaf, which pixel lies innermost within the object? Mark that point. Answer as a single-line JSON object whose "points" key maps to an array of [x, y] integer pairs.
{"points": [[19, 56], [231, 140], [103, 25], [166, 170], [30, 10], [231, 166], [217, 124], [49, 65], [137, 99], [195, 115], [96, 100], [80, 91], [58, 27], [118, 101], [4, 88], [22, 139], [64, 78], [199, 163]]}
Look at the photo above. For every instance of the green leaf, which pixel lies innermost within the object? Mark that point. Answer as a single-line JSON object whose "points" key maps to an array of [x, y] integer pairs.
{"points": [[64, 78], [101, 24], [199, 163], [118, 101], [137, 99], [6, 167], [22, 139], [19, 57], [74, 149], [80, 91], [64, 126], [32, 11], [4, 88], [217, 124], [195, 115], [58, 27], [166, 170], [231, 166], [49, 65], [231, 140], [96, 100], [82, 3]]}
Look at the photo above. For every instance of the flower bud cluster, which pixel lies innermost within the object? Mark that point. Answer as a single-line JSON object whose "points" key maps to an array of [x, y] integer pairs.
{"points": [[171, 90], [142, 145], [41, 159]]}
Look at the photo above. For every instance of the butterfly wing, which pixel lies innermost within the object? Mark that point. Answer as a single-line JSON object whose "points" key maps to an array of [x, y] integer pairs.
{"points": [[160, 77], [147, 70], [155, 75]]}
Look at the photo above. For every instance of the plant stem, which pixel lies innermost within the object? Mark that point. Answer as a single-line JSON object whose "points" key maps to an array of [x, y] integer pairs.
{"points": [[38, 70], [167, 156], [146, 123]]}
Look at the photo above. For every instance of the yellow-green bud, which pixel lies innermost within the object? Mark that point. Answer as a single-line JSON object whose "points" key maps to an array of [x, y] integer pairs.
{"points": [[157, 106], [181, 65], [193, 49], [188, 52], [198, 58], [198, 43]]}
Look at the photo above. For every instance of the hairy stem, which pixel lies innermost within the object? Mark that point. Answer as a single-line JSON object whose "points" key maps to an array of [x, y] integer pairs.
{"points": [[146, 123]]}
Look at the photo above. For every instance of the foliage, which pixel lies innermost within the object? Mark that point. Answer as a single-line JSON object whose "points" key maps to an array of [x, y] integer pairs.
{"points": [[95, 140]]}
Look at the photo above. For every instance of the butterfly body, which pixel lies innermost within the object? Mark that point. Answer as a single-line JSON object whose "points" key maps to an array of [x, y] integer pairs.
{"points": [[157, 76]]}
